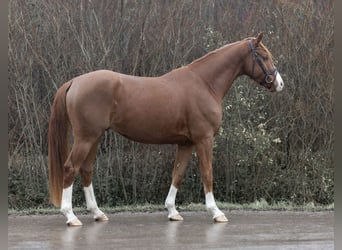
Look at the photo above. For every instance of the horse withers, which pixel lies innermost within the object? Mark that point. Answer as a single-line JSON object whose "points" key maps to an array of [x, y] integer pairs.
{"points": [[182, 107]]}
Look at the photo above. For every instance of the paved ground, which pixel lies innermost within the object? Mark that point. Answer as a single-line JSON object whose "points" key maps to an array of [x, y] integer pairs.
{"points": [[245, 230]]}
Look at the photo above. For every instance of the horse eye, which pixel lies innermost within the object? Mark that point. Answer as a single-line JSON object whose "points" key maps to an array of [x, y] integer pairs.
{"points": [[265, 58]]}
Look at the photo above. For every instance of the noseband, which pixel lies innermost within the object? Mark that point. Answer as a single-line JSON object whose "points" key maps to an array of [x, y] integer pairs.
{"points": [[270, 77]]}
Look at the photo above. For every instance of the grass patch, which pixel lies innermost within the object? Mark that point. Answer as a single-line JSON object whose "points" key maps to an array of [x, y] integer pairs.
{"points": [[263, 205], [259, 205]]}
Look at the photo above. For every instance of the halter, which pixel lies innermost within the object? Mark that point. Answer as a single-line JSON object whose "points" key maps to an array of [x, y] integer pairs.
{"points": [[268, 80]]}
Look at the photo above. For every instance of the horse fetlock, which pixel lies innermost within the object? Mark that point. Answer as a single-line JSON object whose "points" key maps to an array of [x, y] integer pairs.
{"points": [[72, 220], [169, 204], [215, 212], [66, 210], [171, 209], [211, 205]]}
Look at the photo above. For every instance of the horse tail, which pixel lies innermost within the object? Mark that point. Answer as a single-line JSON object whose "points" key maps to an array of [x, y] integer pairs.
{"points": [[58, 143]]}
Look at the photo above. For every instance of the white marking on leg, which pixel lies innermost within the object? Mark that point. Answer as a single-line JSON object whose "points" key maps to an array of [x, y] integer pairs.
{"points": [[280, 83], [170, 201], [66, 206], [211, 205], [91, 201]]}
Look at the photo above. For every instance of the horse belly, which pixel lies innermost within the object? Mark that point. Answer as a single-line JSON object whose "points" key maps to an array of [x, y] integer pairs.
{"points": [[153, 138], [153, 127]]}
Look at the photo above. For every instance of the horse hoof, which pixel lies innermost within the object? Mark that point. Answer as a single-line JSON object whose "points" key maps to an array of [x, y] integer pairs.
{"points": [[74, 223], [101, 218], [221, 219], [176, 217]]}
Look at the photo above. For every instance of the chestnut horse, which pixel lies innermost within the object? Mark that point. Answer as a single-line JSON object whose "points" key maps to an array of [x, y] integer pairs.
{"points": [[182, 107]]}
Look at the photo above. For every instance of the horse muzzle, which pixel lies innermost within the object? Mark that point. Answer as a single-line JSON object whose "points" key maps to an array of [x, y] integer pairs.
{"points": [[279, 83]]}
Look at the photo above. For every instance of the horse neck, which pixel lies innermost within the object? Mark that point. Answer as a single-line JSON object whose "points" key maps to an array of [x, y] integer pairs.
{"points": [[220, 68]]}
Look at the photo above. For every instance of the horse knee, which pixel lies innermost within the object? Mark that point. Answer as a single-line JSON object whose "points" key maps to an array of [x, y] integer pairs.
{"points": [[207, 177]]}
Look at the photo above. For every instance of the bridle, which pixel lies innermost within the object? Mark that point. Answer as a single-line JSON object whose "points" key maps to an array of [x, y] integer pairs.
{"points": [[270, 77]]}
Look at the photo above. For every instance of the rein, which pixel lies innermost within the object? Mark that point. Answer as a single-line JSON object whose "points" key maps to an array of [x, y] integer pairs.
{"points": [[270, 77]]}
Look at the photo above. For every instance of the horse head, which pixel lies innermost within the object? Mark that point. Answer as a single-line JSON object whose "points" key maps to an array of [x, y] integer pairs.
{"points": [[260, 67]]}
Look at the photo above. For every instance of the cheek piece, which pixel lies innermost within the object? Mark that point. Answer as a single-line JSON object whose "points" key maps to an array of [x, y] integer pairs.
{"points": [[270, 76]]}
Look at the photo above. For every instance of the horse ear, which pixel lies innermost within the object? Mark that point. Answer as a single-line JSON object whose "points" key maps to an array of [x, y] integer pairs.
{"points": [[259, 37]]}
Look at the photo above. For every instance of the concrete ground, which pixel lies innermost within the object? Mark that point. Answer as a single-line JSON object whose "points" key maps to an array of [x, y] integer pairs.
{"points": [[245, 230]]}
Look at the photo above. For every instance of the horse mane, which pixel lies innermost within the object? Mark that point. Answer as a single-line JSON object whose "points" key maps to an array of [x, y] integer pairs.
{"points": [[213, 52]]}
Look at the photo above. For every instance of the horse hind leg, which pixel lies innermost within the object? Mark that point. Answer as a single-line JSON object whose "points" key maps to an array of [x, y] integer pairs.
{"points": [[66, 207], [183, 155], [72, 166], [86, 172]]}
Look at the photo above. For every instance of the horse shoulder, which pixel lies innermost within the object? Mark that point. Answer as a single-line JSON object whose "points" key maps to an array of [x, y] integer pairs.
{"points": [[204, 117]]}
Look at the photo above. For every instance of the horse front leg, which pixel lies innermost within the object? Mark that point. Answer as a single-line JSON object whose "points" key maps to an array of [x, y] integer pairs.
{"points": [[205, 154], [183, 155]]}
